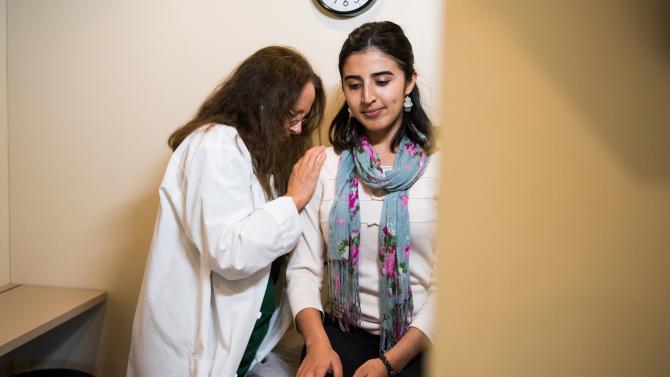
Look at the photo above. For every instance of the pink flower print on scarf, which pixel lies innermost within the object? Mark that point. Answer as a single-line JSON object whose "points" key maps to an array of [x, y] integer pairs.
{"points": [[412, 149], [353, 196], [353, 253], [389, 263]]}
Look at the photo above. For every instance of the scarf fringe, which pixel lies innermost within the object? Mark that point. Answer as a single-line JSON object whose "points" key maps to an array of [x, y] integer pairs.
{"points": [[395, 325], [344, 300]]}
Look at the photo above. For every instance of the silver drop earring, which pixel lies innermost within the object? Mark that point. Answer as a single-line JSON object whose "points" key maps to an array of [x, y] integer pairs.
{"points": [[407, 105]]}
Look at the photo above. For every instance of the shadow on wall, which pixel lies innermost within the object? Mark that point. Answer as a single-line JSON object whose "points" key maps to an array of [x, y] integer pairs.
{"points": [[622, 90], [134, 224], [335, 100]]}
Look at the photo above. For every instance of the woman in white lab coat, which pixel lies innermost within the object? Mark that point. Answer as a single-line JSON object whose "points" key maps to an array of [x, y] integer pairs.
{"points": [[229, 204]]}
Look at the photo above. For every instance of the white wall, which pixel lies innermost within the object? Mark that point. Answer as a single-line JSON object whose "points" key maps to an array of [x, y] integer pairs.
{"points": [[96, 87], [4, 154]]}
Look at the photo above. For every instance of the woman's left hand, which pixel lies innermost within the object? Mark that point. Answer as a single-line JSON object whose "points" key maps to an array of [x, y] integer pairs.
{"points": [[372, 368]]}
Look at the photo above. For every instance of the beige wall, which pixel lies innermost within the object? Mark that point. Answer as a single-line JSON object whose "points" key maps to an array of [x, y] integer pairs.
{"points": [[4, 154], [556, 208], [95, 89]]}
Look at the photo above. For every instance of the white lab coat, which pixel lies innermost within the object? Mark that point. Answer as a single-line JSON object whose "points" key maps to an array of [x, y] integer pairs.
{"points": [[215, 238]]}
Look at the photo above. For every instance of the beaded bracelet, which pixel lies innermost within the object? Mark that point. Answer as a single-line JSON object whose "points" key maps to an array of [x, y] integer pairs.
{"points": [[389, 368]]}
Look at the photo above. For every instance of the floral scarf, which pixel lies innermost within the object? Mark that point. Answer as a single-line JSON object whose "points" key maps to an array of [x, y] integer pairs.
{"points": [[396, 305]]}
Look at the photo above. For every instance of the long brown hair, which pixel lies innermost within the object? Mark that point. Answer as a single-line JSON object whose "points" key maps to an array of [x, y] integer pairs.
{"points": [[257, 98]]}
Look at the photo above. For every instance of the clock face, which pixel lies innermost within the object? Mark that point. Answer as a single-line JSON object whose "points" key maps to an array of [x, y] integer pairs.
{"points": [[345, 8]]}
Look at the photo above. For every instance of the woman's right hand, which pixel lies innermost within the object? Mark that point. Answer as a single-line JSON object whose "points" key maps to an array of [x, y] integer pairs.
{"points": [[320, 360], [305, 175]]}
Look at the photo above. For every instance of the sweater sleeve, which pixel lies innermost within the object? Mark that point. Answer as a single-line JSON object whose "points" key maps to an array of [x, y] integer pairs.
{"points": [[304, 273], [426, 314]]}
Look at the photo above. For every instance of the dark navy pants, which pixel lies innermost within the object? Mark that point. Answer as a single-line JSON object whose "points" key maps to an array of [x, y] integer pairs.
{"points": [[358, 346]]}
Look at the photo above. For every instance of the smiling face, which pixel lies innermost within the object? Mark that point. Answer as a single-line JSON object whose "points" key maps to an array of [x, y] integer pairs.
{"points": [[375, 87], [300, 110]]}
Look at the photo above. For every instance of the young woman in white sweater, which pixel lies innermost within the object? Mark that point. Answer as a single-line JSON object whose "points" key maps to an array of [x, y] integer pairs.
{"points": [[369, 233]]}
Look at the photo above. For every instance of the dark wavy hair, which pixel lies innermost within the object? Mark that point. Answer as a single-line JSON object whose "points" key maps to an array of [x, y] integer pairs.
{"points": [[390, 39], [257, 98]]}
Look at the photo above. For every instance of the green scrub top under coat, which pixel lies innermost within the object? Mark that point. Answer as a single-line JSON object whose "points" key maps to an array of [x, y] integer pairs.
{"points": [[263, 322]]}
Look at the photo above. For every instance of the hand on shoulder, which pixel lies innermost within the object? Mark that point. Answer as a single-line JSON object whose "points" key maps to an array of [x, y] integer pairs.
{"points": [[305, 175]]}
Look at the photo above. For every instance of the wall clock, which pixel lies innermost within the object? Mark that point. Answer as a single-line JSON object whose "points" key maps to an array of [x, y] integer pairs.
{"points": [[345, 8]]}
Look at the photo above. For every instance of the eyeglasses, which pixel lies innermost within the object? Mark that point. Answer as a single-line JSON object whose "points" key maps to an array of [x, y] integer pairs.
{"points": [[296, 118]]}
